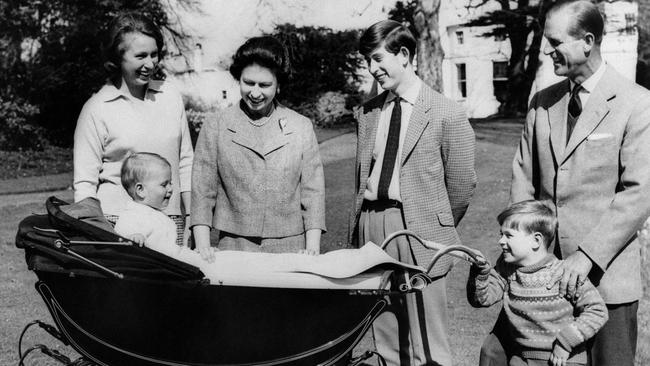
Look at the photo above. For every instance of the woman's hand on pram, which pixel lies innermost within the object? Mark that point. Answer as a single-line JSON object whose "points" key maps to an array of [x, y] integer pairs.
{"points": [[138, 239], [207, 253]]}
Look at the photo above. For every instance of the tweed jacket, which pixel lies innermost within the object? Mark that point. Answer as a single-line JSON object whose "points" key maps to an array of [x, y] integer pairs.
{"points": [[599, 180], [437, 177], [271, 189]]}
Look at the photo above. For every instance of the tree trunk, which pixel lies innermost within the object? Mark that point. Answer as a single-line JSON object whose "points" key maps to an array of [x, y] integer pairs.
{"points": [[429, 49], [643, 47]]}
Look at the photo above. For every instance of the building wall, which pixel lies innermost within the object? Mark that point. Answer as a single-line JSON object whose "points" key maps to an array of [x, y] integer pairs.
{"points": [[619, 49]]}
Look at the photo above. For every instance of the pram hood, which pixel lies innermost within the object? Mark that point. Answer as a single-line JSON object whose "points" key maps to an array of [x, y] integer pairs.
{"points": [[37, 237]]}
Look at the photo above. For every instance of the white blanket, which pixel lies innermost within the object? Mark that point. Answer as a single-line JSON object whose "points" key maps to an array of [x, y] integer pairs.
{"points": [[339, 269]]}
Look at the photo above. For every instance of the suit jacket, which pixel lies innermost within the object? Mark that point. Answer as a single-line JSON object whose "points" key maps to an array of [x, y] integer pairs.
{"points": [[599, 181], [266, 187], [437, 177]]}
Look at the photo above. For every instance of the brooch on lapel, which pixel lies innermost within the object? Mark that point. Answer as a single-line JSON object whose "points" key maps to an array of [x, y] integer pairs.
{"points": [[283, 124]]}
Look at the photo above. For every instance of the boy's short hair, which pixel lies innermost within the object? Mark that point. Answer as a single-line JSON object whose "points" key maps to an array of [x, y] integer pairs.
{"points": [[531, 216], [394, 34], [137, 166]]}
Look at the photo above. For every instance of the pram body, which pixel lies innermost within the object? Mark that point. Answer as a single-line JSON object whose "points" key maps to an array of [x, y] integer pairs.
{"points": [[163, 312]]}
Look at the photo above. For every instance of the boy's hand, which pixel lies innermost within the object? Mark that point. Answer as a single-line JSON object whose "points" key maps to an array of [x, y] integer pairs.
{"points": [[482, 265], [559, 355], [138, 239]]}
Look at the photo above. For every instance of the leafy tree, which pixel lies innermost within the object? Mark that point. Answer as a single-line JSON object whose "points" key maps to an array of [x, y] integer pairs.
{"points": [[421, 16], [50, 55], [643, 48], [322, 60], [404, 12], [517, 23]]}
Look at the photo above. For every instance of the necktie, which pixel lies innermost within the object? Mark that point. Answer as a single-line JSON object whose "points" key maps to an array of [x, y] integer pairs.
{"points": [[575, 109], [390, 152]]}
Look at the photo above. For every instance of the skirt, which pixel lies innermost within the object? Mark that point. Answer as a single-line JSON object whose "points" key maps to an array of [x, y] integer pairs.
{"points": [[289, 244]]}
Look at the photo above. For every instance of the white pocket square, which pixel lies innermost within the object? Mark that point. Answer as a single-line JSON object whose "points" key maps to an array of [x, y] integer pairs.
{"points": [[599, 136]]}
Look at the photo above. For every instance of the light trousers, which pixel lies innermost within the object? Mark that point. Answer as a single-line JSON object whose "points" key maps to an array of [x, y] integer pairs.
{"points": [[412, 330]]}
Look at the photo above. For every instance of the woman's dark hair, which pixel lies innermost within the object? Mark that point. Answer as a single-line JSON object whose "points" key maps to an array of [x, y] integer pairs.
{"points": [[264, 51], [395, 34], [120, 26]]}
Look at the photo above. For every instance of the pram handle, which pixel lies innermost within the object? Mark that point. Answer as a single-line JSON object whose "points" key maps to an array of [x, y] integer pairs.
{"points": [[458, 251]]}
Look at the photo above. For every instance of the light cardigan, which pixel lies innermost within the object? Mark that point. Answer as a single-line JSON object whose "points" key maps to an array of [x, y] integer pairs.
{"points": [[158, 229], [268, 186], [159, 232], [537, 316], [112, 125]]}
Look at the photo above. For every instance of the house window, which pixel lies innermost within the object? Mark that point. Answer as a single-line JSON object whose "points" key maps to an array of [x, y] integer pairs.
{"points": [[462, 80], [224, 94], [630, 23], [500, 79], [460, 37]]}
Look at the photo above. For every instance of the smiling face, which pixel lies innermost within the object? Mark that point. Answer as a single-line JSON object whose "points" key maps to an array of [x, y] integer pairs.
{"points": [[155, 189], [258, 86], [139, 60], [387, 68], [521, 248], [568, 53]]}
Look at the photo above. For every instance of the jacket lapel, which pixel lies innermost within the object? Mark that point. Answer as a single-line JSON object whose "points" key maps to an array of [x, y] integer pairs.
{"points": [[286, 129], [370, 120], [242, 140], [594, 112], [418, 121], [557, 119]]}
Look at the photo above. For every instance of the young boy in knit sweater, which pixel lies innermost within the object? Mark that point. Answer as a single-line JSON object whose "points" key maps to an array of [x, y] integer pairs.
{"points": [[545, 327]]}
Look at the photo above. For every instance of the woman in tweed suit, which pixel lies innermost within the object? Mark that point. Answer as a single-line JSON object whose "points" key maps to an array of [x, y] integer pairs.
{"points": [[257, 175]]}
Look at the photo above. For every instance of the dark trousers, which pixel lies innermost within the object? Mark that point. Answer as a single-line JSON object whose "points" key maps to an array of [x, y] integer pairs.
{"points": [[613, 345]]}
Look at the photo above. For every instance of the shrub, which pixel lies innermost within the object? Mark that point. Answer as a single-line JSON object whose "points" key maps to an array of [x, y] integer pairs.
{"points": [[197, 112], [330, 108], [18, 130]]}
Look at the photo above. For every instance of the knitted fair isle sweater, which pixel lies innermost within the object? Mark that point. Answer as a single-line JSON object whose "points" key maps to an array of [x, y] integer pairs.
{"points": [[537, 316]]}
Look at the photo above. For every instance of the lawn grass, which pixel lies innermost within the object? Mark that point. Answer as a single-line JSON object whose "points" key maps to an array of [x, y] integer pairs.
{"points": [[496, 142], [55, 160]]}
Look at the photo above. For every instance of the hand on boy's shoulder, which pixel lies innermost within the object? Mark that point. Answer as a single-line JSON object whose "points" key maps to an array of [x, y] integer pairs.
{"points": [[571, 273]]}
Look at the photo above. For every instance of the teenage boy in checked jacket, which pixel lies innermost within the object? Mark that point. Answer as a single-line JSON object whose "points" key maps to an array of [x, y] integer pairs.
{"points": [[414, 170]]}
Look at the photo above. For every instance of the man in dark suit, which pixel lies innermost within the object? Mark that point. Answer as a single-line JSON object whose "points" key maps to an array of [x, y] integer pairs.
{"points": [[414, 170], [586, 146]]}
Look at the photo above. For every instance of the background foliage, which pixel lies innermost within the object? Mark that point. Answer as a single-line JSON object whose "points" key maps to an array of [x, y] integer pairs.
{"points": [[50, 63], [325, 67]]}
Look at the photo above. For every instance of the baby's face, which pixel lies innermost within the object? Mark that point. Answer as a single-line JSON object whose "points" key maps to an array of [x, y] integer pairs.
{"points": [[518, 246], [157, 188]]}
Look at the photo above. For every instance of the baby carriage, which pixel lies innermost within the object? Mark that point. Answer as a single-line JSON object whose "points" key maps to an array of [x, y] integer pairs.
{"points": [[119, 304]]}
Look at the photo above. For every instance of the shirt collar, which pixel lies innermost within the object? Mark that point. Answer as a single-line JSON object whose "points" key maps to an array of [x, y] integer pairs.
{"points": [[590, 83], [410, 95], [110, 92]]}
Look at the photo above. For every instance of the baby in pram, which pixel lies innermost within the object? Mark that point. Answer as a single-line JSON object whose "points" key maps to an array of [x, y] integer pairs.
{"points": [[147, 179]]}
